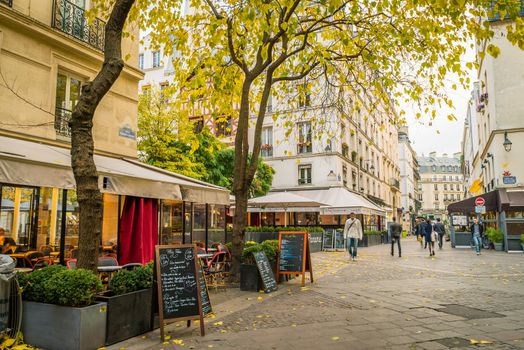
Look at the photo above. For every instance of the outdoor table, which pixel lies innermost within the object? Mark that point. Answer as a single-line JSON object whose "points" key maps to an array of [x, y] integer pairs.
{"points": [[205, 256], [109, 270], [214, 250]]}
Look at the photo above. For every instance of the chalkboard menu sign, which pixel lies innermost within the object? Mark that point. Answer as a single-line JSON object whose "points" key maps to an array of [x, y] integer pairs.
{"points": [[179, 285], [204, 295], [266, 274], [294, 255], [292, 249]]}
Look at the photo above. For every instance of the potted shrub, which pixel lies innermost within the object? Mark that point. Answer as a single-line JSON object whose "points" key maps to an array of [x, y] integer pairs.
{"points": [[249, 277], [59, 309], [129, 303], [496, 237], [522, 242]]}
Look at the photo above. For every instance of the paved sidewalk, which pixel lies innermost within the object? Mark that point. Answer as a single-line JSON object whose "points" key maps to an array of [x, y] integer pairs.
{"points": [[455, 300]]}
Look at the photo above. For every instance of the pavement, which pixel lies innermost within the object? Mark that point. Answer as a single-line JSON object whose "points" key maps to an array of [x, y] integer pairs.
{"points": [[455, 300]]}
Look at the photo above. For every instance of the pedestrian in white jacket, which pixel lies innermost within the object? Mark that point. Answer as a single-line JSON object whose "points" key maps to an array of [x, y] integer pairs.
{"points": [[352, 234]]}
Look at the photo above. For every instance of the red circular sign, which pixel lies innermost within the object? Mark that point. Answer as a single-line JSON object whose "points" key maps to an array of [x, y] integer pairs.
{"points": [[480, 201]]}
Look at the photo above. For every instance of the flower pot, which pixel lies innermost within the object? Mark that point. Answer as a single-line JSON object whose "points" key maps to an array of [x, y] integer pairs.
{"points": [[57, 327], [249, 277], [498, 246], [128, 315]]}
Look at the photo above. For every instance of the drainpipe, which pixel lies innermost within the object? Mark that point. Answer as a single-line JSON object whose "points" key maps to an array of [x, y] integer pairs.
{"points": [[504, 229]]}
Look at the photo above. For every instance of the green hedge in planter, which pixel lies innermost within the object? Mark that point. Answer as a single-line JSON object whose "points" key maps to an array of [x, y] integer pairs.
{"points": [[522, 238], [127, 281], [373, 232], [269, 247], [58, 285], [495, 235]]}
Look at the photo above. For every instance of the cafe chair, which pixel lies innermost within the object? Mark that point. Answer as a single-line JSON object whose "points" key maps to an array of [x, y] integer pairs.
{"points": [[31, 258], [216, 273], [42, 262], [131, 266], [107, 261], [46, 250], [71, 264]]}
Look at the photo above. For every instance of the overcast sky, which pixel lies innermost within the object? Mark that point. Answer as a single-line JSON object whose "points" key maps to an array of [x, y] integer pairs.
{"points": [[425, 138]]}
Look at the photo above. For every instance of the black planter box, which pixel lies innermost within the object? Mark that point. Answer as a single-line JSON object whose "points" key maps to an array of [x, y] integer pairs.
{"points": [[128, 315]]}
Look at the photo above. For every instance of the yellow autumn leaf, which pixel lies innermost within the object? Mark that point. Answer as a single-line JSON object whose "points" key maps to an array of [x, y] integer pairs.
{"points": [[260, 298], [335, 338], [8, 342], [167, 337], [219, 323], [178, 341]]}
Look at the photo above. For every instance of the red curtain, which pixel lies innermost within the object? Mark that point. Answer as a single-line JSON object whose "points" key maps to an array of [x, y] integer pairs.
{"points": [[138, 230]]}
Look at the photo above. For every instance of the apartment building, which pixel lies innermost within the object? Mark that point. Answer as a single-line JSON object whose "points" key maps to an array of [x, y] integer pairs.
{"points": [[48, 49], [441, 183], [409, 179]]}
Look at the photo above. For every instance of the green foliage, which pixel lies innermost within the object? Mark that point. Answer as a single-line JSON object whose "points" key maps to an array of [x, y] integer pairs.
{"points": [[32, 284], [58, 285], [269, 247], [127, 281], [495, 235], [282, 228], [522, 238]]}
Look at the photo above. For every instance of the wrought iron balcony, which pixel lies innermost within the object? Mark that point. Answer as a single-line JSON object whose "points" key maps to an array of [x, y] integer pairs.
{"points": [[70, 19], [395, 183], [62, 118], [7, 2]]}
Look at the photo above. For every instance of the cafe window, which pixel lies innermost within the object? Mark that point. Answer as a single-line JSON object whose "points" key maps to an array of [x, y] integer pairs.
{"points": [[306, 219], [216, 224], [188, 223], [515, 215], [267, 219], [199, 225], [171, 222], [72, 216]]}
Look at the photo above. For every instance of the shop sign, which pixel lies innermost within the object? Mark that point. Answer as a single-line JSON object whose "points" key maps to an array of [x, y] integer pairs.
{"points": [[480, 209], [460, 220], [509, 180]]}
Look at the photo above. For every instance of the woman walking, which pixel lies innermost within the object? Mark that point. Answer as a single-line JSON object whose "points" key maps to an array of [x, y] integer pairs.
{"points": [[428, 235]]}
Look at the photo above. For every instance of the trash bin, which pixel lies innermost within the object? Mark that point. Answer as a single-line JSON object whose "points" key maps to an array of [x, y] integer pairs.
{"points": [[7, 277]]}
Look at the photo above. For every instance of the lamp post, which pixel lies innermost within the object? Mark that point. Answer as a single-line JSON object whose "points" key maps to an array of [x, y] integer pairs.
{"points": [[507, 143]]}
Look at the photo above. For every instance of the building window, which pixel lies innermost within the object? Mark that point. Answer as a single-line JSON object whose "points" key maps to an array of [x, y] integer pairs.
{"points": [[304, 138], [198, 124], [445, 197], [269, 107], [345, 150], [434, 168], [67, 93], [436, 187], [456, 178], [223, 127], [444, 178], [304, 97], [156, 59], [436, 196], [345, 175], [452, 197], [445, 187], [458, 197], [304, 174], [266, 148], [434, 177], [141, 61], [436, 206], [450, 168], [146, 90]]}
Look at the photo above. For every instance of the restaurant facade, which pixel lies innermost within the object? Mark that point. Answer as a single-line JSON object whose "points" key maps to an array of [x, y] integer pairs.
{"points": [[503, 209]]}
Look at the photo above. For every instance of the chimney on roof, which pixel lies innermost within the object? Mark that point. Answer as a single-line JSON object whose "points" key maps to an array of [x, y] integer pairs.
{"points": [[433, 154]]}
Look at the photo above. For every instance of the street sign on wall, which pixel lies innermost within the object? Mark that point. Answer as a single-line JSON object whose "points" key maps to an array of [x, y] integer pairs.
{"points": [[509, 180], [480, 209]]}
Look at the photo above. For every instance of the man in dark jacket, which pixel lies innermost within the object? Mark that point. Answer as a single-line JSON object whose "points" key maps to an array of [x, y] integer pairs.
{"points": [[477, 231], [419, 230], [440, 230], [396, 233]]}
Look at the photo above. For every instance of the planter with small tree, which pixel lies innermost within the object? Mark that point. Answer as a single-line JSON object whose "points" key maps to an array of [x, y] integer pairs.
{"points": [[249, 276], [129, 303], [59, 309], [522, 242], [496, 237]]}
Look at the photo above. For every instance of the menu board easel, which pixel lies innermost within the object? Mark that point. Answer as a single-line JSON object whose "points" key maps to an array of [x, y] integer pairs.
{"points": [[179, 297], [294, 256]]}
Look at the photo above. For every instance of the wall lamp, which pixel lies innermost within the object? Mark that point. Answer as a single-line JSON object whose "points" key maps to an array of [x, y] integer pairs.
{"points": [[507, 143]]}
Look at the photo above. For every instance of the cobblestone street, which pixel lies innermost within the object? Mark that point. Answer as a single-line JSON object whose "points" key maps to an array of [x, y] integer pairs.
{"points": [[454, 300]]}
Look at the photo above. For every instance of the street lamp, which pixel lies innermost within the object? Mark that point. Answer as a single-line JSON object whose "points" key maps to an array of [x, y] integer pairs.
{"points": [[507, 143]]}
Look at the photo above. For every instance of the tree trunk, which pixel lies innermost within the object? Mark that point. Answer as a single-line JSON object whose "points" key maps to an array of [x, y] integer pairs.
{"points": [[82, 144], [239, 227]]}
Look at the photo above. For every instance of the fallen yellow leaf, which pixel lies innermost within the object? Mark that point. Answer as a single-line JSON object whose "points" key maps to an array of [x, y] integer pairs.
{"points": [[260, 298], [335, 338], [219, 323]]}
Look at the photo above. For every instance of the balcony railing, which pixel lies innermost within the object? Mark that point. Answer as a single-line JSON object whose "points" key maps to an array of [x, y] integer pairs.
{"points": [[62, 119], [70, 19], [394, 183], [7, 2]]}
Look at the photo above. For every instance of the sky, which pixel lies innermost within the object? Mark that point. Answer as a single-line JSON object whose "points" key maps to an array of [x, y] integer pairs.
{"points": [[425, 138]]}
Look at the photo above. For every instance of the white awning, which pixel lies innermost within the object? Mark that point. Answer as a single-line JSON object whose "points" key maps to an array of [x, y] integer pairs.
{"points": [[34, 164]]}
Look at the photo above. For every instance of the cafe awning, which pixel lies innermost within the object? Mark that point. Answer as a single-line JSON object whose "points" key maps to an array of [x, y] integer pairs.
{"points": [[466, 206], [283, 201], [35, 164]]}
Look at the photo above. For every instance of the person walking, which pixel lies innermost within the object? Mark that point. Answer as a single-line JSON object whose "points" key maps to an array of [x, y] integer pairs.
{"points": [[477, 231], [440, 230], [352, 234], [419, 230], [428, 235], [396, 233]]}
